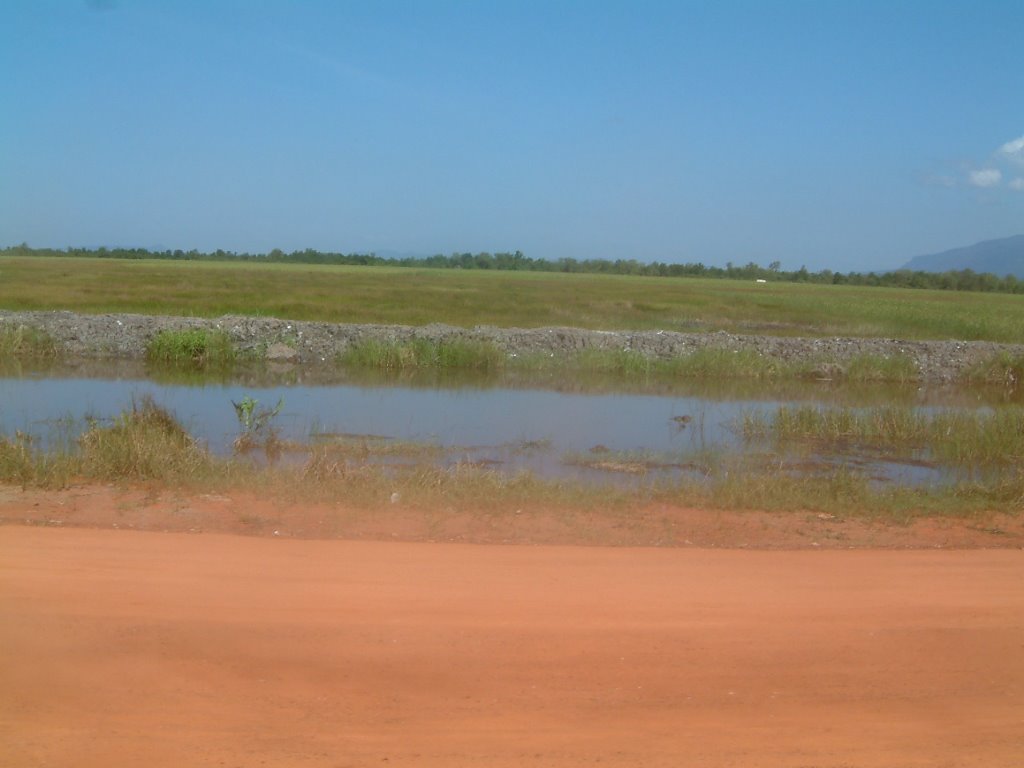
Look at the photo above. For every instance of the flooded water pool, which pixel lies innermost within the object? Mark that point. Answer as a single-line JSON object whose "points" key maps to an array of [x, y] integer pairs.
{"points": [[553, 428]]}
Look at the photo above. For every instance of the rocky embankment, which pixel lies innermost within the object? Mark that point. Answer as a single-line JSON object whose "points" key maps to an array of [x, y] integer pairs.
{"points": [[313, 343]]}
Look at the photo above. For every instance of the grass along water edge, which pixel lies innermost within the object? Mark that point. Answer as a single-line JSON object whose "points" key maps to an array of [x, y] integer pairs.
{"points": [[959, 438], [146, 445], [24, 342], [191, 347]]}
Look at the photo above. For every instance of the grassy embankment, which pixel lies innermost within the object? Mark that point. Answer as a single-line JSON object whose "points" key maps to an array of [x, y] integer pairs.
{"points": [[507, 299], [414, 297]]}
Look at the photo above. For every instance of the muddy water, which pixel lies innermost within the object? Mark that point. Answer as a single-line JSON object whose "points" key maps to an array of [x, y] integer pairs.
{"points": [[555, 427]]}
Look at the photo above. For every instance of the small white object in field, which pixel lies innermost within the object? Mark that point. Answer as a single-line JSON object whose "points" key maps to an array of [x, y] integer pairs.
{"points": [[395, 497]]}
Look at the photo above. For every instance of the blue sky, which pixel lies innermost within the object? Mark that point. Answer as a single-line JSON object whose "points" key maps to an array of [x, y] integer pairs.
{"points": [[849, 136]]}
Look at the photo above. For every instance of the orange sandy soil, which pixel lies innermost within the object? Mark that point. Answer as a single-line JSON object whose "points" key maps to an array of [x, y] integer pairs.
{"points": [[130, 648], [161, 509]]}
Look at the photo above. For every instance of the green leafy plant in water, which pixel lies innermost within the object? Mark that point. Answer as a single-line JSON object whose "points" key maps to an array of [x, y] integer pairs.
{"points": [[255, 426]]}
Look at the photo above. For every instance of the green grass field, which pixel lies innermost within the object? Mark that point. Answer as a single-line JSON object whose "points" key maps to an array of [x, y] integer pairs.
{"points": [[510, 299]]}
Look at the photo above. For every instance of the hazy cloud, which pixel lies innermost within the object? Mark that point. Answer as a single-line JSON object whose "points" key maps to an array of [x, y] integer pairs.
{"points": [[1013, 151], [940, 180], [999, 165], [986, 177]]}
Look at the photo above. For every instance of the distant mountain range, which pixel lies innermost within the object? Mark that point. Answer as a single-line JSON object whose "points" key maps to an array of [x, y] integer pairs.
{"points": [[1000, 257]]}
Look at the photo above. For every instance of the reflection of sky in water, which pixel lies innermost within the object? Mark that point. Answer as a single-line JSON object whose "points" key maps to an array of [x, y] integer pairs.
{"points": [[480, 423], [571, 422]]}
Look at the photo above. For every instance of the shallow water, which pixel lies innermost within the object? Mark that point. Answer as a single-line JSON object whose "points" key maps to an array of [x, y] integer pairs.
{"points": [[645, 430]]}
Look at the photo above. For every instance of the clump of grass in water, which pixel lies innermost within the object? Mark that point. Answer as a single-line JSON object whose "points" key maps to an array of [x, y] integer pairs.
{"points": [[978, 439], [1000, 369], [422, 353], [957, 438], [145, 443], [22, 341], [887, 426], [194, 347]]}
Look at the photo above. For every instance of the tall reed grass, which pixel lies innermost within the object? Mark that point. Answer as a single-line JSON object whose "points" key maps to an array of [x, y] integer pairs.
{"points": [[954, 437]]}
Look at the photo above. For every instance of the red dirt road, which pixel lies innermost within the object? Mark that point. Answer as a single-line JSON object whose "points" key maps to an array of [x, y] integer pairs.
{"points": [[142, 649]]}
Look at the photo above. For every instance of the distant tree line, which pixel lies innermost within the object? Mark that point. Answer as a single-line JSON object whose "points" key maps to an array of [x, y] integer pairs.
{"points": [[951, 280]]}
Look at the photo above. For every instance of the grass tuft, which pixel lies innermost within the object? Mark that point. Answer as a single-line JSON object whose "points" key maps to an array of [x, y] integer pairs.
{"points": [[21, 341], [23, 463], [145, 443], [192, 347]]}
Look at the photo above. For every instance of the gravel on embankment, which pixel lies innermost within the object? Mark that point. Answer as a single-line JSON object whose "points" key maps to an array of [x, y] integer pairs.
{"points": [[126, 336]]}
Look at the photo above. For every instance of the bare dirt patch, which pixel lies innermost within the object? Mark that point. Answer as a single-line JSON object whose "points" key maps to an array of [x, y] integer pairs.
{"points": [[656, 525], [128, 648]]}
